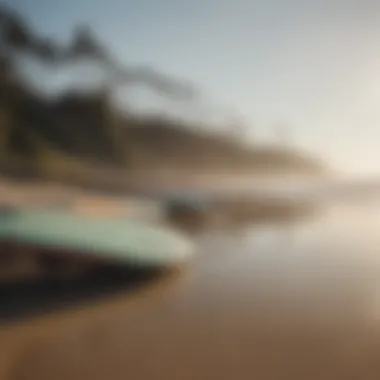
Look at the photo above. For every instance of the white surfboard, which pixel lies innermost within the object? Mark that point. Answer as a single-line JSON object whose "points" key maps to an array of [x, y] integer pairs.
{"points": [[106, 239]]}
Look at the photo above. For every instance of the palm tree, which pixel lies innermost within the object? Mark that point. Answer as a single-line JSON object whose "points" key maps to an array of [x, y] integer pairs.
{"points": [[18, 37], [86, 47], [15, 33]]}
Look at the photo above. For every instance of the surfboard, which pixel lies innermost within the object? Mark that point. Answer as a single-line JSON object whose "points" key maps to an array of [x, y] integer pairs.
{"points": [[113, 240]]}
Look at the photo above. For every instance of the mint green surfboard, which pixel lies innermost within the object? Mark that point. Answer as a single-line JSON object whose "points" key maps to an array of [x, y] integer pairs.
{"points": [[105, 239]]}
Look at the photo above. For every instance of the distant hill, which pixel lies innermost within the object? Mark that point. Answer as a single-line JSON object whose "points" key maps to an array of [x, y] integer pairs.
{"points": [[78, 134], [68, 136], [77, 131], [154, 141]]}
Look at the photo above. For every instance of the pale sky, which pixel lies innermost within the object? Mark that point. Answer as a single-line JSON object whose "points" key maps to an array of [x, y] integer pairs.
{"points": [[312, 65]]}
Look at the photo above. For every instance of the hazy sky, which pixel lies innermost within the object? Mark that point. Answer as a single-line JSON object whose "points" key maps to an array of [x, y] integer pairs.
{"points": [[312, 65]]}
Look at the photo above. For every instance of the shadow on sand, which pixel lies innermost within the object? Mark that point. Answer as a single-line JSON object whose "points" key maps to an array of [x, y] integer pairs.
{"points": [[30, 297]]}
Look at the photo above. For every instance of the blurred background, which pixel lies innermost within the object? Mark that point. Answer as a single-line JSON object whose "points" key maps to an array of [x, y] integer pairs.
{"points": [[89, 90], [249, 127]]}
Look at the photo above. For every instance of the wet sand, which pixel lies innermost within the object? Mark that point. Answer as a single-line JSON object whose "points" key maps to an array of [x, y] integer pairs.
{"points": [[274, 302]]}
